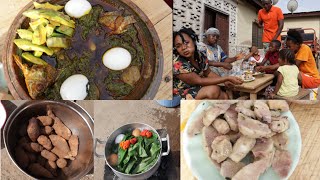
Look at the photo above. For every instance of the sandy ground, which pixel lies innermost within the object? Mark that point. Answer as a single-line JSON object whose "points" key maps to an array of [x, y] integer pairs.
{"points": [[110, 116], [8, 169]]}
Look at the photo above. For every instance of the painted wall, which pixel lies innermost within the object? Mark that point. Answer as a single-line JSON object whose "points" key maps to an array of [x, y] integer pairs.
{"points": [[303, 22]]}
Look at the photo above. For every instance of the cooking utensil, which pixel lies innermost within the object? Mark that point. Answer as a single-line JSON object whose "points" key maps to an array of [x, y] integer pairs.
{"points": [[72, 115], [110, 141]]}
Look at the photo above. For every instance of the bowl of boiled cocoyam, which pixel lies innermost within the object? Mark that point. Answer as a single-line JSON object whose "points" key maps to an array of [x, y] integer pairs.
{"points": [[50, 139]]}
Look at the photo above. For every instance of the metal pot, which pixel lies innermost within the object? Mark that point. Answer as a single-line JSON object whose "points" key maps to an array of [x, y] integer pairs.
{"points": [[72, 115], [121, 130]]}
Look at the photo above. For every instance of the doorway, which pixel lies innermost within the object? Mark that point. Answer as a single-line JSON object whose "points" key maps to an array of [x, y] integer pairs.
{"points": [[220, 21]]}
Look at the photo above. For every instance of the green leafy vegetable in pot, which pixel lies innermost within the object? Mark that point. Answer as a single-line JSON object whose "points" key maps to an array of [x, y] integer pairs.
{"points": [[136, 153]]}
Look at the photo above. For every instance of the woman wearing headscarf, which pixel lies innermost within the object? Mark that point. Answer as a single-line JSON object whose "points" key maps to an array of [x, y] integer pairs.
{"points": [[219, 62], [191, 73]]}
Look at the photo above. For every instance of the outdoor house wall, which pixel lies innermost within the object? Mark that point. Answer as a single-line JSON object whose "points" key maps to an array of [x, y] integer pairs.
{"points": [[303, 22], [245, 16], [190, 13]]}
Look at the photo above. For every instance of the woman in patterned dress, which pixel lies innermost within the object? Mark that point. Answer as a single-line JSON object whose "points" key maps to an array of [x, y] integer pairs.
{"points": [[192, 75]]}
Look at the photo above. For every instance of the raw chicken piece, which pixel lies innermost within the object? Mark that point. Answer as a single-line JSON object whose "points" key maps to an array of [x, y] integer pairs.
{"points": [[262, 111], [280, 140], [275, 113], [245, 111], [255, 169], [282, 163], [221, 126], [280, 125], [229, 168], [208, 135], [221, 148], [241, 148], [252, 128], [281, 105], [37, 78], [212, 112], [262, 148], [231, 117], [195, 126]]}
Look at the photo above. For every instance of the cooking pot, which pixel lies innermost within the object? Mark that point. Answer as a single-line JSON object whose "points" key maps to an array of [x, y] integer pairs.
{"points": [[122, 130], [72, 115]]}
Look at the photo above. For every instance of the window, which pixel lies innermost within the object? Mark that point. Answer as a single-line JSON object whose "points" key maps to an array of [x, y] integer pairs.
{"points": [[257, 36]]}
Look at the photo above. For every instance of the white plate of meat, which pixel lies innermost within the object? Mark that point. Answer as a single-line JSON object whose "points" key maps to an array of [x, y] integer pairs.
{"points": [[242, 140]]}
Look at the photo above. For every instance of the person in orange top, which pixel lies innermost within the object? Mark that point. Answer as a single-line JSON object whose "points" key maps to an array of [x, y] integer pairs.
{"points": [[271, 18], [309, 74]]}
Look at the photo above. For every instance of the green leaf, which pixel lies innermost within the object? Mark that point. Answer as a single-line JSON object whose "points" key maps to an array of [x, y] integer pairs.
{"points": [[121, 154], [127, 159], [130, 165], [155, 149]]}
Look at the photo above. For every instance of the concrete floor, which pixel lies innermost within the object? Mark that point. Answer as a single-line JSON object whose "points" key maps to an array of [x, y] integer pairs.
{"points": [[113, 114], [8, 169]]}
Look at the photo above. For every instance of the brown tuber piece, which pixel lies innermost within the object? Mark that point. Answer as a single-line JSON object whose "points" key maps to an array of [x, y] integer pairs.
{"points": [[32, 147], [52, 167], [45, 142], [61, 163], [61, 154], [22, 157], [74, 143], [39, 171], [45, 120], [47, 130], [59, 143], [33, 129], [50, 114], [23, 140], [61, 129], [48, 155]]}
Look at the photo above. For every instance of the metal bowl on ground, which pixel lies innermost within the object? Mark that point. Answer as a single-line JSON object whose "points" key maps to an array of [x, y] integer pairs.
{"points": [[125, 128], [72, 115]]}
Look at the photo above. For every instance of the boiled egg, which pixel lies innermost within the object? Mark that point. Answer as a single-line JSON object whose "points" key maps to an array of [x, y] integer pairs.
{"points": [[117, 58], [74, 87], [119, 138], [77, 8]]}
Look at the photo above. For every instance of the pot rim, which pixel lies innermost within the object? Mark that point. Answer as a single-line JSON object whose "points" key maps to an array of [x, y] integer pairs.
{"points": [[16, 89], [23, 108], [134, 175]]}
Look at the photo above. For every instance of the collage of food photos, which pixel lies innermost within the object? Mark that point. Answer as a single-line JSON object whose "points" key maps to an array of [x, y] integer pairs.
{"points": [[159, 89]]}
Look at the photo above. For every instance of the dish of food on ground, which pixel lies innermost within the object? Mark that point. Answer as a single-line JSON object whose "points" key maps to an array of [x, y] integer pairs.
{"points": [[242, 140], [79, 50]]}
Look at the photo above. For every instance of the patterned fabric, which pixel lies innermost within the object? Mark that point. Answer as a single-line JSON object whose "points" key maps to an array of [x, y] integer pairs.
{"points": [[216, 54], [183, 66]]}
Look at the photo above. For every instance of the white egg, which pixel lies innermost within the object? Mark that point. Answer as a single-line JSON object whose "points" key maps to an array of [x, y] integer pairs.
{"points": [[74, 87], [77, 8], [117, 58], [119, 138]]}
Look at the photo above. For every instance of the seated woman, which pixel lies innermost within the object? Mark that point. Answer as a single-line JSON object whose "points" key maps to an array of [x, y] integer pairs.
{"points": [[309, 74], [192, 75], [219, 62]]}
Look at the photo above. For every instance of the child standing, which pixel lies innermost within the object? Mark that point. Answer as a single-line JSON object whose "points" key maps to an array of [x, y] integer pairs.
{"points": [[288, 72]]}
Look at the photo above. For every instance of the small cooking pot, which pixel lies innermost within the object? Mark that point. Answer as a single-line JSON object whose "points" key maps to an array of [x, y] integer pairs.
{"points": [[72, 115], [122, 130]]}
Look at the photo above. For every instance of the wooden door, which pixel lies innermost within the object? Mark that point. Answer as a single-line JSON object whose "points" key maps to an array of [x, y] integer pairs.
{"points": [[220, 21]]}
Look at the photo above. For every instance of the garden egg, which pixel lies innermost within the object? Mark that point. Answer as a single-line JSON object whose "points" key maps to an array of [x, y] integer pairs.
{"points": [[74, 87], [117, 58], [119, 138], [77, 8]]}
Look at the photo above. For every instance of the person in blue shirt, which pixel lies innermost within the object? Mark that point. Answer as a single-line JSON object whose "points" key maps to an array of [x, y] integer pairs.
{"points": [[219, 62]]}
